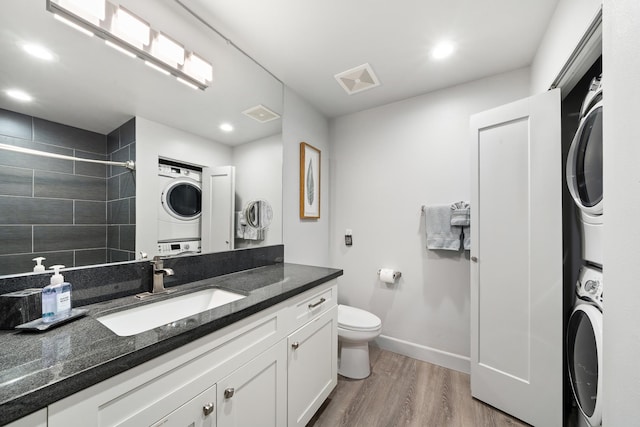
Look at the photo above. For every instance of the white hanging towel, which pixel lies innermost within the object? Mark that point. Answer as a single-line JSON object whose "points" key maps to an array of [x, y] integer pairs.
{"points": [[440, 233], [461, 216]]}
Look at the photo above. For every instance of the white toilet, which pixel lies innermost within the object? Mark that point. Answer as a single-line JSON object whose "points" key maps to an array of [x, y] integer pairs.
{"points": [[356, 328]]}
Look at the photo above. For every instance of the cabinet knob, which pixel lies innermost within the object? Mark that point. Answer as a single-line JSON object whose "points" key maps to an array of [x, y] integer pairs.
{"points": [[474, 259], [208, 408], [295, 345], [228, 393]]}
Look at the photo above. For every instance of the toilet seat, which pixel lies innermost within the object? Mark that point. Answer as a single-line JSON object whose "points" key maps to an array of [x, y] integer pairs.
{"points": [[355, 319]]}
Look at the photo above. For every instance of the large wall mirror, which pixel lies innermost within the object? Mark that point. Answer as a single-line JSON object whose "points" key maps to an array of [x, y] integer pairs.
{"points": [[92, 101]]}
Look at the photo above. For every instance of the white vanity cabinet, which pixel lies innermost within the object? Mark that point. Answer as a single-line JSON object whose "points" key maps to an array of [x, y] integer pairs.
{"points": [[246, 374], [312, 366], [37, 419], [256, 393]]}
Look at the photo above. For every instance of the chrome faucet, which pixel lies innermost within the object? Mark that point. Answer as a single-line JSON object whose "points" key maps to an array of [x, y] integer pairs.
{"points": [[159, 272]]}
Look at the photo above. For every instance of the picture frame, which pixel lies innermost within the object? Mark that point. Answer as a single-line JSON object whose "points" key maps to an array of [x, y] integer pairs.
{"points": [[309, 181]]}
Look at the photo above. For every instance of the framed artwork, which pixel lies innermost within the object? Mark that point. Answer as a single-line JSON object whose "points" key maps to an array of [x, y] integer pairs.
{"points": [[309, 181]]}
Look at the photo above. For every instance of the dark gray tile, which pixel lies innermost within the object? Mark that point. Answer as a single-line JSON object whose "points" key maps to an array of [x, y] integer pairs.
{"points": [[122, 155], [128, 237], [118, 256], [91, 169], [23, 263], [128, 132], [132, 151], [29, 161], [127, 185], [59, 238], [118, 212], [113, 237], [113, 141], [65, 186], [15, 124], [91, 257], [27, 210], [15, 239], [16, 182], [90, 212], [132, 211], [113, 188], [69, 136]]}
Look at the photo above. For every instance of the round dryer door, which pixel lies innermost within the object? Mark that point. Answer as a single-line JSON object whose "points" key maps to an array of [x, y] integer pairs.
{"points": [[584, 357], [584, 163], [182, 199]]}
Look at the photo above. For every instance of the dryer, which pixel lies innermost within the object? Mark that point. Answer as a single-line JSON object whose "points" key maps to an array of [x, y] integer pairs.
{"points": [[179, 203], [584, 173], [584, 346]]}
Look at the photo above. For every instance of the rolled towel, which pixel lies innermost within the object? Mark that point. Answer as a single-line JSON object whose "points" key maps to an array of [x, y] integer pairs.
{"points": [[440, 233], [466, 231], [460, 214]]}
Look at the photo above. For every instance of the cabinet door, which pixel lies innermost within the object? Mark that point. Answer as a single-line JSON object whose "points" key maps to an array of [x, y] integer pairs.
{"points": [[313, 366], [516, 254], [198, 412], [256, 393]]}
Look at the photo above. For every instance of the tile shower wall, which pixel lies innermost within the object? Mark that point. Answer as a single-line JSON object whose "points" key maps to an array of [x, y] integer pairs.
{"points": [[53, 208], [121, 195]]}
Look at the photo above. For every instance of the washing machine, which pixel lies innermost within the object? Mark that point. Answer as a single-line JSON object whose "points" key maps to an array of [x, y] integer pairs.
{"points": [[179, 204], [584, 346], [584, 173]]}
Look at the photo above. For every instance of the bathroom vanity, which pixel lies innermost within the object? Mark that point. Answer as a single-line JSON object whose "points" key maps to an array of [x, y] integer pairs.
{"points": [[269, 358]]}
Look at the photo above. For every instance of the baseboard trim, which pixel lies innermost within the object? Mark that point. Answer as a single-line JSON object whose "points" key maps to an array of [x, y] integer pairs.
{"points": [[426, 354]]}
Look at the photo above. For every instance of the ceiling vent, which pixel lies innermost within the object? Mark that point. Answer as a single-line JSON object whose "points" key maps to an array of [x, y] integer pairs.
{"points": [[357, 79], [261, 114]]}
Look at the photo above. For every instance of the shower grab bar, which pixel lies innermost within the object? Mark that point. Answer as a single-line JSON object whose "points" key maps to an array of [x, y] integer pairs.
{"points": [[129, 164]]}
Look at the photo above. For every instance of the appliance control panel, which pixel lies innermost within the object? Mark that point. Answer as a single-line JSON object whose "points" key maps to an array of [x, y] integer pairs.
{"points": [[179, 172], [179, 248], [589, 285]]}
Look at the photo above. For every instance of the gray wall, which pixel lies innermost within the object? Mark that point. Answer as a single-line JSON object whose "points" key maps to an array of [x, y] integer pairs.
{"points": [[50, 207]]}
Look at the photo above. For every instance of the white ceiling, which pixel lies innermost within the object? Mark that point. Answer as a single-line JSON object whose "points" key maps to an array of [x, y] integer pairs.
{"points": [[305, 43]]}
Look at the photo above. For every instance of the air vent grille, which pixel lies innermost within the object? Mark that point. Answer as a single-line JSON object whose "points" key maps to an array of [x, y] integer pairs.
{"points": [[261, 114], [358, 79]]}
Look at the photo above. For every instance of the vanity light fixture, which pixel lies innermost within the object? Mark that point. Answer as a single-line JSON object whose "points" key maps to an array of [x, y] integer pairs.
{"points": [[167, 50], [119, 49], [155, 67], [73, 25], [443, 50], [90, 10], [130, 28], [129, 34], [19, 95], [38, 51]]}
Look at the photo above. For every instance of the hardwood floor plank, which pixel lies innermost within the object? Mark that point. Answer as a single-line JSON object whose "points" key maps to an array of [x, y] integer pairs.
{"points": [[402, 391]]}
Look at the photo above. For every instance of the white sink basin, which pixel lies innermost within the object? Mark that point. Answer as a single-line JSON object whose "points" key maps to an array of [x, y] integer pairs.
{"points": [[139, 319]]}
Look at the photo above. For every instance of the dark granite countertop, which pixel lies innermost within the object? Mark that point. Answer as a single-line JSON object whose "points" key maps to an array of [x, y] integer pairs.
{"points": [[37, 369]]}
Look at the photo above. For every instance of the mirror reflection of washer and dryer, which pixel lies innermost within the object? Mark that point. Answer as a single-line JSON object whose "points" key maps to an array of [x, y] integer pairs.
{"points": [[584, 330]]}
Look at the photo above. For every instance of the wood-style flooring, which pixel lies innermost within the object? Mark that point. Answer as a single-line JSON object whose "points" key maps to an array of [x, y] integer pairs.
{"points": [[402, 391]]}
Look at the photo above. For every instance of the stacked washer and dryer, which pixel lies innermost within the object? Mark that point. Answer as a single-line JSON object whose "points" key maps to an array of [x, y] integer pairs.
{"points": [[179, 209], [584, 331]]}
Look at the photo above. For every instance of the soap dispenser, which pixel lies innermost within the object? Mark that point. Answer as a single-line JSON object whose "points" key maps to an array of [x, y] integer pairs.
{"points": [[39, 268], [56, 298]]}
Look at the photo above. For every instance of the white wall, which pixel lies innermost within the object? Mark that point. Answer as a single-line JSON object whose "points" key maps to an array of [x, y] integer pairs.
{"points": [[386, 163], [621, 68], [155, 140], [566, 28], [305, 241], [259, 176]]}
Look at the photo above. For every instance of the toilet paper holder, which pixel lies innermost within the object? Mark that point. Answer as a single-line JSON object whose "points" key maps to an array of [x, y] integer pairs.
{"points": [[396, 274]]}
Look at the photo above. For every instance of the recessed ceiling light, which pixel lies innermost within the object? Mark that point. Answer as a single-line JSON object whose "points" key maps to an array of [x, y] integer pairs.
{"points": [[38, 51], [19, 95], [443, 50], [226, 127]]}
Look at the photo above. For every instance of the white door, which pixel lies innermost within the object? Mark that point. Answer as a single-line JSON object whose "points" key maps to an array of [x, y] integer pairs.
{"points": [[218, 207], [516, 253]]}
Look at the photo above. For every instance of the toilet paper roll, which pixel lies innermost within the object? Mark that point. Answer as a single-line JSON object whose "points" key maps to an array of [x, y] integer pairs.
{"points": [[387, 275]]}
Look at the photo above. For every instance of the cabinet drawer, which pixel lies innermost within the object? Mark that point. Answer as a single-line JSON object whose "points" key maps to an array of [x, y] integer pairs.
{"points": [[198, 412], [315, 305]]}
